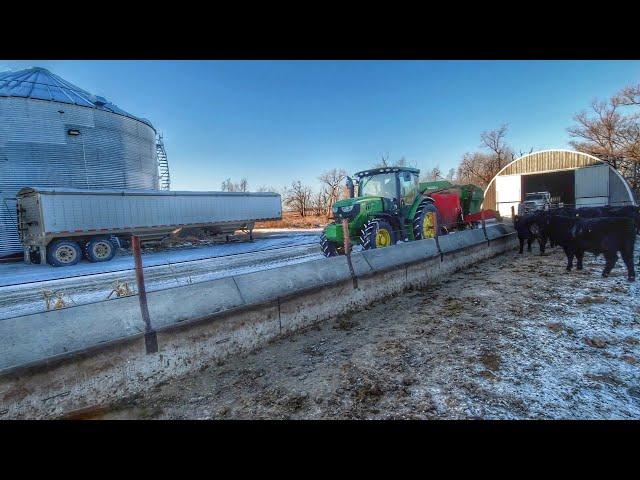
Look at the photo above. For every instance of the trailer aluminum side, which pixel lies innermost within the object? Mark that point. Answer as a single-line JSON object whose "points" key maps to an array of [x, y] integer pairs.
{"points": [[86, 217]]}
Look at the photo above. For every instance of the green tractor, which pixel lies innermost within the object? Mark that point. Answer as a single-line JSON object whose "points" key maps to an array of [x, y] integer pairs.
{"points": [[391, 205]]}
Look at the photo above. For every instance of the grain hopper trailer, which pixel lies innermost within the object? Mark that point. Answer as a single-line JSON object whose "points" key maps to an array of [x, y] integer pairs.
{"points": [[59, 226], [390, 205]]}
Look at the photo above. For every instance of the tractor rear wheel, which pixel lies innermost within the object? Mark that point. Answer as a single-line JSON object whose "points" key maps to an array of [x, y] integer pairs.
{"points": [[426, 221], [377, 233], [329, 248]]}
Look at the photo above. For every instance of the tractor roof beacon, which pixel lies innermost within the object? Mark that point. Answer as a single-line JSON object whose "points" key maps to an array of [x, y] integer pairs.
{"points": [[391, 205]]}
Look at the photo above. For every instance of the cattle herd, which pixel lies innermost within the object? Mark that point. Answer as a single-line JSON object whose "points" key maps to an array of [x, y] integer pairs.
{"points": [[599, 230]]}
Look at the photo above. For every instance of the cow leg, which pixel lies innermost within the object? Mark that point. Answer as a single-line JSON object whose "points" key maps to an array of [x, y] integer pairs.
{"points": [[579, 257], [542, 241], [569, 254], [521, 245], [529, 242], [611, 259], [627, 258]]}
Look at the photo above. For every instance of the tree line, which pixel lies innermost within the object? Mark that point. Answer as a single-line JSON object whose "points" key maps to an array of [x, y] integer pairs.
{"points": [[609, 130]]}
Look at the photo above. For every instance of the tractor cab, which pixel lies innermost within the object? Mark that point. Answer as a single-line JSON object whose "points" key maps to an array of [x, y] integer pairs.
{"points": [[398, 184]]}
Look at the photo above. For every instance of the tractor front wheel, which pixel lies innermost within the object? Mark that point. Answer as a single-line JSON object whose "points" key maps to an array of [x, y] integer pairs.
{"points": [[329, 248], [377, 234], [426, 221]]}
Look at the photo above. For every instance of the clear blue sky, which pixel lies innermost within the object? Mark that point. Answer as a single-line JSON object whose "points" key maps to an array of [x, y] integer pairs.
{"points": [[275, 121]]}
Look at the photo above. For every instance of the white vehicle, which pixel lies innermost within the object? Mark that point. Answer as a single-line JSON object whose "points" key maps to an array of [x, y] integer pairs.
{"points": [[534, 201], [62, 225]]}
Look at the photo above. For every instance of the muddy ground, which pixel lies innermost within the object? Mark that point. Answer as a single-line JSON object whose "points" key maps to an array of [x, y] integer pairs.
{"points": [[512, 337]]}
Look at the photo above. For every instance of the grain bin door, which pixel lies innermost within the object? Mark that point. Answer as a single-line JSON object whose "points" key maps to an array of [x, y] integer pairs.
{"points": [[508, 193], [592, 186]]}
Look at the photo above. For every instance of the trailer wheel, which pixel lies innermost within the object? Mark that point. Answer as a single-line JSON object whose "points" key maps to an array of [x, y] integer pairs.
{"points": [[377, 233], [99, 249], [63, 253], [424, 223]]}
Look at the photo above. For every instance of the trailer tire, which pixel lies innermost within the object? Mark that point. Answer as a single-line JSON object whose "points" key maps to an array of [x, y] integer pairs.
{"points": [[99, 249], [63, 253], [425, 214], [377, 233]]}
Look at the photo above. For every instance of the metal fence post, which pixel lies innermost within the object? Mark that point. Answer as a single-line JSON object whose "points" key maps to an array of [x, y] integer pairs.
{"points": [[150, 336], [347, 250], [436, 235], [484, 227]]}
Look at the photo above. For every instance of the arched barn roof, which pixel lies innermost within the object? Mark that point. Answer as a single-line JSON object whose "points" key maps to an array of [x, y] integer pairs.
{"points": [[557, 160]]}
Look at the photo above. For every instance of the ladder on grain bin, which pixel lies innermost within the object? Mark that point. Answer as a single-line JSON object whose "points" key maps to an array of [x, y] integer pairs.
{"points": [[163, 164]]}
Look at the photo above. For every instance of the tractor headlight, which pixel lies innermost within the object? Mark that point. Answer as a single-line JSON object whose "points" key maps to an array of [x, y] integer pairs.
{"points": [[348, 211]]}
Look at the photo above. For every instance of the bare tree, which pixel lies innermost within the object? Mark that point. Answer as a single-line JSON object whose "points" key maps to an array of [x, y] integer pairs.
{"points": [[384, 161], [611, 132], [227, 185], [601, 132], [320, 202], [332, 180], [451, 176], [628, 96], [480, 167], [401, 162], [432, 175], [265, 188], [298, 198]]}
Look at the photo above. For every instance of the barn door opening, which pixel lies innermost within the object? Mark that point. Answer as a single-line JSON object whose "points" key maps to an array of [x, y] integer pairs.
{"points": [[559, 184]]}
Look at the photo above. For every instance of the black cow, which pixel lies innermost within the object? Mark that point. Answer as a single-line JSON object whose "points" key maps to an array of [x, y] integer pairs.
{"points": [[527, 229], [524, 232], [629, 211], [607, 235]]}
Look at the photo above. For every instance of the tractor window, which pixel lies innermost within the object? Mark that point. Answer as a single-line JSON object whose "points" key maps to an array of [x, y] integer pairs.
{"points": [[381, 185], [408, 187]]}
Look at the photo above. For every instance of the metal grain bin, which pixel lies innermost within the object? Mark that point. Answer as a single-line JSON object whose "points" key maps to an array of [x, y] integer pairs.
{"points": [[54, 134]]}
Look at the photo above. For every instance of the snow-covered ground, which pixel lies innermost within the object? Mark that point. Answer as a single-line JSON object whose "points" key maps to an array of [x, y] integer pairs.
{"points": [[24, 288], [514, 337]]}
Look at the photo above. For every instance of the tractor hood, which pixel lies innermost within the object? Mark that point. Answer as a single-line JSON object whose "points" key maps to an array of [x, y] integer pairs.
{"points": [[351, 207], [347, 208]]}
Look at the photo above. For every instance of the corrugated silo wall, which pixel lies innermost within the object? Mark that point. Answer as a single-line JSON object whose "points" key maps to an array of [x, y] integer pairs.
{"points": [[112, 151]]}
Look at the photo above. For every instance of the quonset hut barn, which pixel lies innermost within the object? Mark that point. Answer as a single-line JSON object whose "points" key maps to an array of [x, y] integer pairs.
{"points": [[573, 178], [54, 134]]}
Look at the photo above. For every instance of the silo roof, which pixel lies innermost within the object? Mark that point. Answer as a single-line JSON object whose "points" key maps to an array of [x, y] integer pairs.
{"points": [[39, 83]]}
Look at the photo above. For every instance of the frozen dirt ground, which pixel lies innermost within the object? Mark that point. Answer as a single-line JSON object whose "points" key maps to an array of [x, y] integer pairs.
{"points": [[509, 338]]}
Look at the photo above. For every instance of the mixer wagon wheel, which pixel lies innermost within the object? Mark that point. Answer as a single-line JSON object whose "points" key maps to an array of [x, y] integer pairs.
{"points": [[425, 221], [377, 233]]}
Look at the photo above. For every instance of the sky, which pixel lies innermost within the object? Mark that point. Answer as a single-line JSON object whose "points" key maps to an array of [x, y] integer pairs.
{"points": [[277, 121]]}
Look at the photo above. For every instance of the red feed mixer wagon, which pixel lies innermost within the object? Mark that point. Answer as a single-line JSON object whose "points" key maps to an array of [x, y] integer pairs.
{"points": [[458, 205]]}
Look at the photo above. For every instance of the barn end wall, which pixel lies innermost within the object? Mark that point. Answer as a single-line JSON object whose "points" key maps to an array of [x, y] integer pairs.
{"points": [[68, 360], [559, 160]]}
